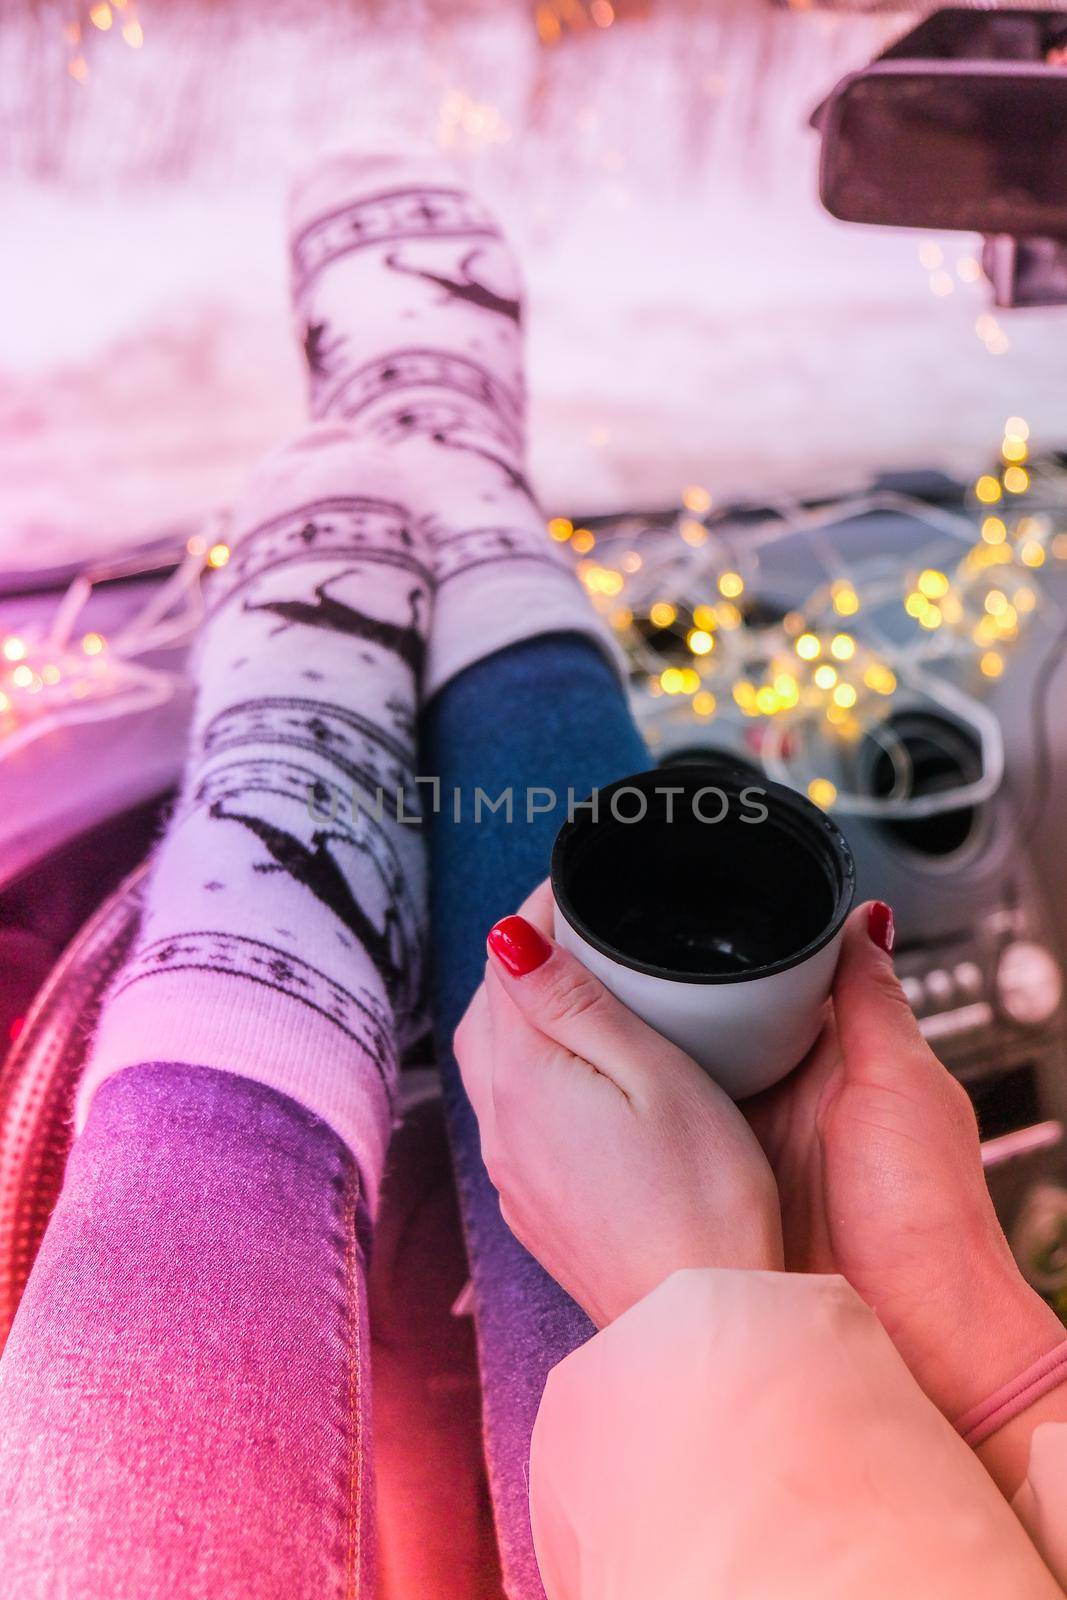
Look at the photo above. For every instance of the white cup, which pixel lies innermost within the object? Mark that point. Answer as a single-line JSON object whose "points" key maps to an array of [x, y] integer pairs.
{"points": [[712, 902]]}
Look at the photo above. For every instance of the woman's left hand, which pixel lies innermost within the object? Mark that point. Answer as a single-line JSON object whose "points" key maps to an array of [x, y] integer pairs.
{"points": [[875, 1150], [617, 1160]]}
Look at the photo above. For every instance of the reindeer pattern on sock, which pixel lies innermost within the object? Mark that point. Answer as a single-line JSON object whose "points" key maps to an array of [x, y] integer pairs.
{"points": [[315, 867], [405, 639], [404, 231], [466, 288]]}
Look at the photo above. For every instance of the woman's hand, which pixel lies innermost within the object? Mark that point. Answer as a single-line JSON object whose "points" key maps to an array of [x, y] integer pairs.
{"points": [[875, 1149], [616, 1158]]}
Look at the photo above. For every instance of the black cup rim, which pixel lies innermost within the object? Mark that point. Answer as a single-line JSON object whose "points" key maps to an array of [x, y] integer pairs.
{"points": [[806, 818]]}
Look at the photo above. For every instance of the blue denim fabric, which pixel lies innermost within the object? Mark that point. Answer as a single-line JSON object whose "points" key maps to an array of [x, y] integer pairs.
{"points": [[184, 1393], [547, 713]]}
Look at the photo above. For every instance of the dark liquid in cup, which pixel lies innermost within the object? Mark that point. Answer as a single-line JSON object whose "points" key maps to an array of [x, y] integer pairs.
{"points": [[705, 899]]}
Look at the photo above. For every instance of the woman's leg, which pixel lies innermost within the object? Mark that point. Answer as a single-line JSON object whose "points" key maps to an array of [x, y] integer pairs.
{"points": [[280, 950], [543, 717], [183, 1394], [448, 403], [505, 708]]}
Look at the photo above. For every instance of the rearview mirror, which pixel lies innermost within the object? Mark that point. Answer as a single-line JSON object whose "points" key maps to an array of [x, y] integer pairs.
{"points": [[979, 146], [962, 124]]}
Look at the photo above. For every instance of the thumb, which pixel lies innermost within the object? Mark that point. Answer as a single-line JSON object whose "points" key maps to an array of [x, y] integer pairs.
{"points": [[876, 1026], [563, 1000]]}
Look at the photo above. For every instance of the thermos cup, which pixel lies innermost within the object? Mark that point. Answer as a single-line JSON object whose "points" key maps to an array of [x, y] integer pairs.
{"points": [[711, 901]]}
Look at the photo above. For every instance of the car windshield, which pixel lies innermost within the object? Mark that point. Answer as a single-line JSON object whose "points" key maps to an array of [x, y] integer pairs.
{"points": [[694, 314]]}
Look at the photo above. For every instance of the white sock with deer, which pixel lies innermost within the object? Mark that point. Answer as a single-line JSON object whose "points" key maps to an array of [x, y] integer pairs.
{"points": [[435, 376], [282, 936]]}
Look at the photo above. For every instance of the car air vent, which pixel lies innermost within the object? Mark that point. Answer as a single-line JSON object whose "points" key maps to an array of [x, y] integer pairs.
{"points": [[942, 755]]}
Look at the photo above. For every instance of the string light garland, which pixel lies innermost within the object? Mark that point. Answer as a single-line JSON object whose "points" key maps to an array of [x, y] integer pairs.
{"points": [[944, 277], [117, 18], [555, 19], [800, 692], [57, 676]]}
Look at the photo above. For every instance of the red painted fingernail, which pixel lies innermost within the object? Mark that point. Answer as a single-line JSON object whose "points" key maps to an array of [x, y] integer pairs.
{"points": [[880, 926], [518, 946]]}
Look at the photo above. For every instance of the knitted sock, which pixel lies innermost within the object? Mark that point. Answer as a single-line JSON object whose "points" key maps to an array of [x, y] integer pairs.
{"points": [[282, 941], [409, 306], [284, 920]]}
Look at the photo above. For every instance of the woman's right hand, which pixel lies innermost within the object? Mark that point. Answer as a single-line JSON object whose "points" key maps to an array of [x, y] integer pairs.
{"points": [[617, 1160], [875, 1149]]}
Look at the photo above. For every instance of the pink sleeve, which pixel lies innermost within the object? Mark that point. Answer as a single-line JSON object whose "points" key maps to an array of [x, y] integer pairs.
{"points": [[755, 1434]]}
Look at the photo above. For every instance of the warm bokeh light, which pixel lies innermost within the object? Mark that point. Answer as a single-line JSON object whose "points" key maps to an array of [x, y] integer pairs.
{"points": [[845, 599], [679, 680], [880, 678], [823, 792], [932, 584]]}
